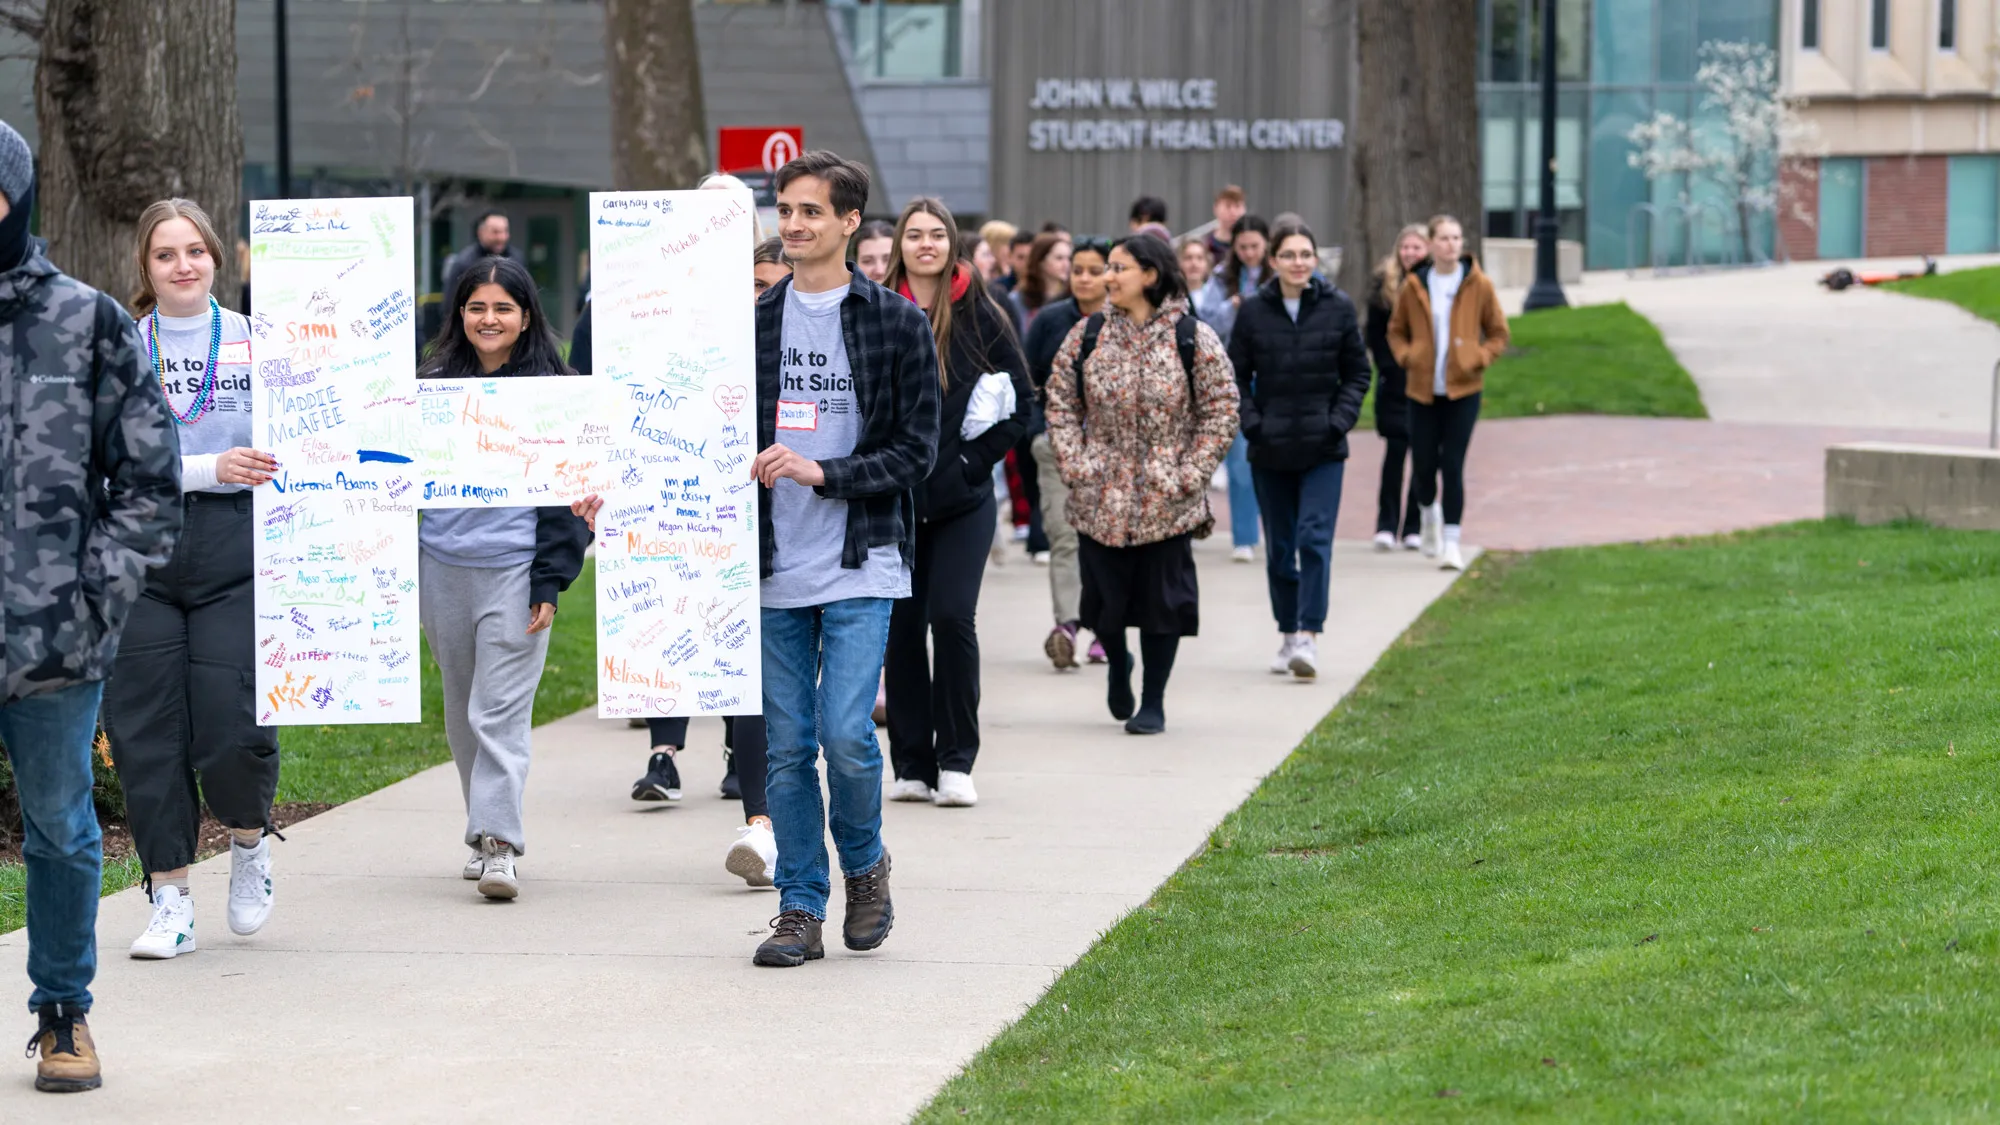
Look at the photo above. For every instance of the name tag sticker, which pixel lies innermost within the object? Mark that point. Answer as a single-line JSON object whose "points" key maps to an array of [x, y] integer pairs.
{"points": [[238, 352], [798, 415]]}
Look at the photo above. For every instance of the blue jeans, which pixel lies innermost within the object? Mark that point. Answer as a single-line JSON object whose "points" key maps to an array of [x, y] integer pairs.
{"points": [[1299, 512], [48, 740], [821, 665], [1242, 495]]}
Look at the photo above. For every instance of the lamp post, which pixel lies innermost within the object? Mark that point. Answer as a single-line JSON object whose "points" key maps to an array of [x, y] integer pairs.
{"points": [[1547, 291], [284, 77]]}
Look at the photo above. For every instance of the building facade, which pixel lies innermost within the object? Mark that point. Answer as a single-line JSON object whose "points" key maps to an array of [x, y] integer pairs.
{"points": [[1902, 96], [1617, 63]]}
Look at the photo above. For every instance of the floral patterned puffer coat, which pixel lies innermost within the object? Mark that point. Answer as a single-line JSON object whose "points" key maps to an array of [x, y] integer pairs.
{"points": [[1136, 453]]}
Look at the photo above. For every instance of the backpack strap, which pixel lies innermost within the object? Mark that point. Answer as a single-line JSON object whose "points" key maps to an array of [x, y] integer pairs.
{"points": [[1184, 340], [1092, 328]]}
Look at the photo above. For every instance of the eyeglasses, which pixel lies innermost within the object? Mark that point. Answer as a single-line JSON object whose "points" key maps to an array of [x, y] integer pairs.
{"points": [[1098, 246], [1117, 267]]}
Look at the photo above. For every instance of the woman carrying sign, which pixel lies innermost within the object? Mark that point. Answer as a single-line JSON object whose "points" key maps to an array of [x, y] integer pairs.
{"points": [[489, 577], [180, 707]]}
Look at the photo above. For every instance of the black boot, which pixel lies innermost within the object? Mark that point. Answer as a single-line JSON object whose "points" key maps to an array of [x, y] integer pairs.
{"points": [[1118, 674], [1159, 650], [794, 940], [869, 911]]}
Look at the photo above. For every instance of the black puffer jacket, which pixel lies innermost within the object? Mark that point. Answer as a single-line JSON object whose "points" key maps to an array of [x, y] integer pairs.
{"points": [[1045, 338], [982, 340], [1300, 385]]}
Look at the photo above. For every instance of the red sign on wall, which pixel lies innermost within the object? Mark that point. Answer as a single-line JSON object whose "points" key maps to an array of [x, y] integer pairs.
{"points": [[755, 148]]}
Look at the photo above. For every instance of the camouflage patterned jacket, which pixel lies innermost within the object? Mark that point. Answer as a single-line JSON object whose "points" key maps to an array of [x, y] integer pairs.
{"points": [[89, 477]]}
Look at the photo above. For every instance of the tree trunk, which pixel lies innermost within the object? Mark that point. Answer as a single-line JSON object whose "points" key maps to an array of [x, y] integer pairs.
{"points": [[657, 118], [1416, 126], [137, 102]]}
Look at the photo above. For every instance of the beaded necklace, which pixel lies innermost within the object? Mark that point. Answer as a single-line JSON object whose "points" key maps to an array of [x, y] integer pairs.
{"points": [[204, 398]]}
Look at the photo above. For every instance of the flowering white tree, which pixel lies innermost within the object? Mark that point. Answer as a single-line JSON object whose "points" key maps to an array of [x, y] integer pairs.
{"points": [[1754, 128]]}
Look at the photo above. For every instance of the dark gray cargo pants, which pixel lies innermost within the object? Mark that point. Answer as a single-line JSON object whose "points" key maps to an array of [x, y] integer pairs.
{"points": [[180, 706]]}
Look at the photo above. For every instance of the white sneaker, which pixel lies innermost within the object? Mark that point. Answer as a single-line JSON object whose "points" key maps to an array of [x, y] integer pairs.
{"points": [[955, 791], [170, 933], [475, 866], [1385, 540], [909, 789], [249, 887], [1041, 558], [1282, 663], [1451, 558], [1244, 554], [1413, 542], [1305, 657], [1432, 538], [498, 879], [753, 858]]}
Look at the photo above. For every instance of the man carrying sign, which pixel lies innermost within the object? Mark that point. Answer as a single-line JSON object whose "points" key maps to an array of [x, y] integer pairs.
{"points": [[847, 401]]}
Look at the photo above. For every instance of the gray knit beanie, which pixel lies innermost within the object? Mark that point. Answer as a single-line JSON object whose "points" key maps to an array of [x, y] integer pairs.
{"points": [[17, 164]]}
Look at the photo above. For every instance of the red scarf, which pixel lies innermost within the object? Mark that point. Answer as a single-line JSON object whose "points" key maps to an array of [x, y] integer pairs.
{"points": [[961, 280]]}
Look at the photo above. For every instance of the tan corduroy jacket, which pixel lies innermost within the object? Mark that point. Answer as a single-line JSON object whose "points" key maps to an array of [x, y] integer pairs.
{"points": [[1478, 333]]}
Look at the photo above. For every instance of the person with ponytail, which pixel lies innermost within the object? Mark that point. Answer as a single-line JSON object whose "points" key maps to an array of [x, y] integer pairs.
{"points": [[180, 707], [1392, 395], [932, 666]]}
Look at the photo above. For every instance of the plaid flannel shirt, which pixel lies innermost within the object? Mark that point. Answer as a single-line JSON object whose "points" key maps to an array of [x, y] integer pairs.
{"points": [[893, 356]]}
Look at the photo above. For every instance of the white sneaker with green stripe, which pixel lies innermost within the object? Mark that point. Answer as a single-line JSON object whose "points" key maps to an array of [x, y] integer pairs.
{"points": [[171, 932]]}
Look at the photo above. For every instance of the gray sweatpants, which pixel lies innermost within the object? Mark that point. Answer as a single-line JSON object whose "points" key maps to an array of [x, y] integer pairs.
{"points": [[1065, 577], [476, 620]]}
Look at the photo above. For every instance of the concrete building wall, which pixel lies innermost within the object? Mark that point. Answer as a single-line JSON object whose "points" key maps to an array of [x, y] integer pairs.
{"points": [[930, 138], [1910, 110]]}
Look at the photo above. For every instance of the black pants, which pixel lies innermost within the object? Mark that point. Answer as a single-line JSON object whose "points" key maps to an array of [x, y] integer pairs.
{"points": [[1440, 433], [748, 750], [1392, 421], [934, 695], [180, 707]]}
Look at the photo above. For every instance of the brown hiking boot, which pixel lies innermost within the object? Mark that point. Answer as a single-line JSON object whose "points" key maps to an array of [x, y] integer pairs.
{"points": [[869, 911], [69, 1058], [794, 940]]}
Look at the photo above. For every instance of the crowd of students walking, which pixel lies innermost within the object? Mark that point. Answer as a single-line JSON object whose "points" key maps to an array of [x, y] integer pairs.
{"points": [[1108, 380]]}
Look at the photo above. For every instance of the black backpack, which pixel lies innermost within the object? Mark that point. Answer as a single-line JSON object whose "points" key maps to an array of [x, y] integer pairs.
{"points": [[1183, 342]]}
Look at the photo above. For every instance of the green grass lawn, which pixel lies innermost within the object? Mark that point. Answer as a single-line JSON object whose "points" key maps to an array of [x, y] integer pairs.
{"points": [[1975, 290], [1691, 831], [1594, 359], [336, 764]]}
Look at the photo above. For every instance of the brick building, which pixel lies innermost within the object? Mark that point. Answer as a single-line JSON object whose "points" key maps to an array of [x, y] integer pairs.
{"points": [[1902, 94]]}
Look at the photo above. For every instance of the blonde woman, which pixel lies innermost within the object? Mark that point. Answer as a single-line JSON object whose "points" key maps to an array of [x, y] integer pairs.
{"points": [[1447, 329], [180, 707], [1395, 521]]}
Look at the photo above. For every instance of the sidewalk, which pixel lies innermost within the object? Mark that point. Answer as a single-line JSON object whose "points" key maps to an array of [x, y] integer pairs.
{"points": [[619, 988], [1772, 347]]}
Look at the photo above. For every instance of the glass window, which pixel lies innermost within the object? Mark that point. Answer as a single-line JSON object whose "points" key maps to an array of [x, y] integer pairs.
{"points": [[1569, 153], [1947, 25], [1621, 49], [1809, 24], [1572, 40], [1878, 25], [1677, 43], [902, 40], [1840, 209], [1504, 52], [1614, 187], [1737, 21], [1972, 207], [1500, 152]]}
